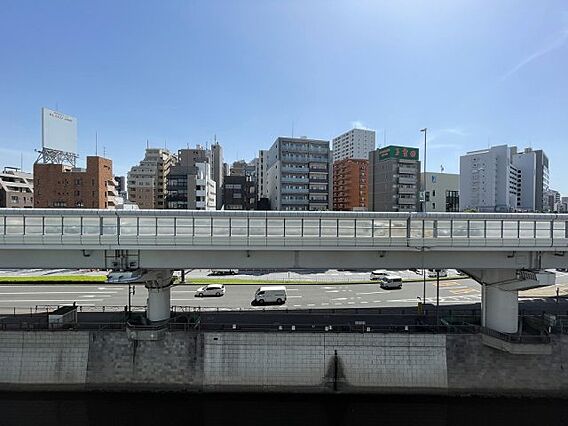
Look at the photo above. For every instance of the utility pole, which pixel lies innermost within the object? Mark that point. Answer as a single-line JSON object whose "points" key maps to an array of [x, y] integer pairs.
{"points": [[424, 209], [437, 298]]}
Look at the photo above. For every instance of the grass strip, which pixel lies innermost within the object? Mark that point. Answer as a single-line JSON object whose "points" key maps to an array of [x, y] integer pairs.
{"points": [[55, 279]]}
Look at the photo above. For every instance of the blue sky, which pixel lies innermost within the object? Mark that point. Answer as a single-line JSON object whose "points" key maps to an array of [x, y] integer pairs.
{"points": [[476, 73]]}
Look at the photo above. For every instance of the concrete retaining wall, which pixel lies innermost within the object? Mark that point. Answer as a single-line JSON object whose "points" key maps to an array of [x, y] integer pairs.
{"points": [[277, 362]]}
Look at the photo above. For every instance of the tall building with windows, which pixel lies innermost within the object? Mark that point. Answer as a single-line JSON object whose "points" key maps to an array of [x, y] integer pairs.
{"points": [[147, 181], [356, 144], [442, 191], [16, 188], [532, 182], [501, 179], [190, 185], [239, 193], [298, 174], [217, 172], [261, 171], [350, 184], [64, 186], [394, 179]]}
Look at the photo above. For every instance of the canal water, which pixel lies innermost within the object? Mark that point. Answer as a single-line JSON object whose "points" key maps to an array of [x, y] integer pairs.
{"points": [[61, 409]]}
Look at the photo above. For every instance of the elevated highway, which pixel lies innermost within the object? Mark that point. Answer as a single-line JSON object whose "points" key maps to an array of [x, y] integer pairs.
{"points": [[504, 252]]}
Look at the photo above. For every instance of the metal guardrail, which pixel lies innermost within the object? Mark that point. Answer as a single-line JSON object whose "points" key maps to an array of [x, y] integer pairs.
{"points": [[516, 338]]}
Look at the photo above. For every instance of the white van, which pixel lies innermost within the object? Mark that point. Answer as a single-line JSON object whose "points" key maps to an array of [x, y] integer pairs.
{"points": [[378, 274], [272, 294], [391, 281]]}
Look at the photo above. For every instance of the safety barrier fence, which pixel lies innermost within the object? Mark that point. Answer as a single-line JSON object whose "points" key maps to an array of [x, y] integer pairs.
{"points": [[203, 228]]}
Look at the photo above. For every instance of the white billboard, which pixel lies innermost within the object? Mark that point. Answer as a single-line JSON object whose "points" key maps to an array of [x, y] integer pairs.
{"points": [[58, 131]]}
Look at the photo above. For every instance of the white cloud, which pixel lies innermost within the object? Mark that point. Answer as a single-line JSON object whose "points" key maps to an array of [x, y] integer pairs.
{"points": [[359, 125], [558, 42], [448, 134]]}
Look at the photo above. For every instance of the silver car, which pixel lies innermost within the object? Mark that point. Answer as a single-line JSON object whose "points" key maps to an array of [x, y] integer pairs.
{"points": [[210, 290]]}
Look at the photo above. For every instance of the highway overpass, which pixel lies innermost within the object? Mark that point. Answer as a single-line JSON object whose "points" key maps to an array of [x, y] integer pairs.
{"points": [[504, 252]]}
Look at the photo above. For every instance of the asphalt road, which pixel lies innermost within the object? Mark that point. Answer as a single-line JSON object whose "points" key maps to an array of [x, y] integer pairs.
{"points": [[239, 296]]}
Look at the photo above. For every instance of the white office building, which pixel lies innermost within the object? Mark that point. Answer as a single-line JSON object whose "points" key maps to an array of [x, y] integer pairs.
{"points": [[500, 179], [356, 144], [441, 192]]}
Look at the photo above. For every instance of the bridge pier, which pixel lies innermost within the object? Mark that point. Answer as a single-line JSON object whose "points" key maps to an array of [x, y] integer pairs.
{"points": [[500, 309], [158, 282], [499, 294]]}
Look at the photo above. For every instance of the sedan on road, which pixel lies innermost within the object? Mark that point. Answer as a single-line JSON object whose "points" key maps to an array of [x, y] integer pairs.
{"points": [[210, 290]]}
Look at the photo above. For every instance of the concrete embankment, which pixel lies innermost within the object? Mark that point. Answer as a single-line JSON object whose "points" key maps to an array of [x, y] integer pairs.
{"points": [[280, 362]]}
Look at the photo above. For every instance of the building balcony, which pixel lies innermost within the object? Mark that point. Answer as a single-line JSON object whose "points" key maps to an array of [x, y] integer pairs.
{"points": [[402, 190], [295, 159], [407, 180], [295, 191], [303, 202], [407, 201], [407, 170], [289, 169], [289, 179]]}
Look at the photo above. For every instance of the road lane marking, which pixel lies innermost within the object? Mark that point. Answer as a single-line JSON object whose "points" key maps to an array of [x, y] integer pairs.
{"points": [[340, 298], [464, 291], [292, 297]]}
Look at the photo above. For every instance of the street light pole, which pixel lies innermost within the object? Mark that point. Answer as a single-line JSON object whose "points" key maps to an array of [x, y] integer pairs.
{"points": [[424, 209], [437, 297]]}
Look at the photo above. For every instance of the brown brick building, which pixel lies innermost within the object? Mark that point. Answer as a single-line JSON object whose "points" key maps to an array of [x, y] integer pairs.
{"points": [[350, 184], [58, 185]]}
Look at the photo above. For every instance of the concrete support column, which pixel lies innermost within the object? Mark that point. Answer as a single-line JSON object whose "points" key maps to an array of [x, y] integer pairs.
{"points": [[500, 309], [158, 283]]}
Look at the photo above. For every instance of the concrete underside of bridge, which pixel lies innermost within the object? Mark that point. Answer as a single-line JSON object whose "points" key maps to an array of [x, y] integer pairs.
{"points": [[285, 258], [495, 270]]}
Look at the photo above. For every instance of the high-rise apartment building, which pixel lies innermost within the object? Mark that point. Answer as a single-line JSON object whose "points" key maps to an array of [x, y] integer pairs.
{"points": [[218, 174], [532, 182], [394, 179], [16, 188], [261, 170], [500, 179], [147, 181], [63, 186], [350, 184], [356, 144], [442, 192], [190, 184], [298, 173]]}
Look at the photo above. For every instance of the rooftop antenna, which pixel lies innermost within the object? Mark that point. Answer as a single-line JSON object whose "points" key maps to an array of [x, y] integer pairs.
{"points": [[441, 168], [104, 151], [21, 161], [147, 144], [96, 143]]}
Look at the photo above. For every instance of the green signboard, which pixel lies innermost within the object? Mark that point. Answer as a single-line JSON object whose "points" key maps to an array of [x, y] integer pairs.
{"points": [[402, 152]]}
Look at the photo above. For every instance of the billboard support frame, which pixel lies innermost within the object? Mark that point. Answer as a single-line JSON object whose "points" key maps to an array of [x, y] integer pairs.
{"points": [[54, 156]]}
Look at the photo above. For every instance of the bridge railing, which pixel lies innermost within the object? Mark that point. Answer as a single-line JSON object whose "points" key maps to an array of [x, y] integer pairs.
{"points": [[219, 228]]}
